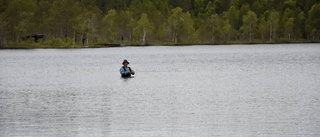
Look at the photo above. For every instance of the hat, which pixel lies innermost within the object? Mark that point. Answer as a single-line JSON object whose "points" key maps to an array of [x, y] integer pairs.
{"points": [[125, 61]]}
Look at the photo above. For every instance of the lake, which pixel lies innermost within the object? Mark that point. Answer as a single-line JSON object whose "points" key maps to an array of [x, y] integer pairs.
{"points": [[181, 91]]}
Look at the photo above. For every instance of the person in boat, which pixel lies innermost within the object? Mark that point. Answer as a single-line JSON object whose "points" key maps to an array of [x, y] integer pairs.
{"points": [[126, 71]]}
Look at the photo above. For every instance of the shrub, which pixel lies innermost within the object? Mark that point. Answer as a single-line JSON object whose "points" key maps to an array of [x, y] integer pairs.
{"points": [[55, 43]]}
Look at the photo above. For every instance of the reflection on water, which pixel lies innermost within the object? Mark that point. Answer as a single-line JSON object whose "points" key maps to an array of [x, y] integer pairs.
{"points": [[192, 91]]}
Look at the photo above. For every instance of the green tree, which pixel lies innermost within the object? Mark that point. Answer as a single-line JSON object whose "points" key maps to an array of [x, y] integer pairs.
{"points": [[249, 26], [181, 25], [144, 27], [299, 29], [2, 31], [263, 28], [155, 12], [228, 31], [162, 6], [63, 13], [313, 21], [211, 30], [308, 4], [217, 6], [86, 24], [109, 26], [235, 3], [276, 5], [288, 27], [124, 25], [225, 5], [19, 15], [290, 3], [43, 17], [245, 8], [233, 16], [273, 23], [259, 6], [107, 5], [199, 8], [203, 9], [186, 5], [202, 12], [210, 9], [282, 32]]}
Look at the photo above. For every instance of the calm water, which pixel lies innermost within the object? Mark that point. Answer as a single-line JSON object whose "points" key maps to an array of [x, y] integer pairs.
{"points": [[192, 91]]}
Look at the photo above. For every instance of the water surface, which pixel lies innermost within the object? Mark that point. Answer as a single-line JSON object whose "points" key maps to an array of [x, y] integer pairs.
{"points": [[188, 91]]}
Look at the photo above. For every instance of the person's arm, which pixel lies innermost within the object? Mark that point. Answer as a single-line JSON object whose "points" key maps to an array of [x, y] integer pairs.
{"points": [[131, 71], [123, 71]]}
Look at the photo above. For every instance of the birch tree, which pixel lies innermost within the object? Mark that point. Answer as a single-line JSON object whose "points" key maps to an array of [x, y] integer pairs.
{"points": [[144, 27], [273, 23], [249, 24], [181, 25]]}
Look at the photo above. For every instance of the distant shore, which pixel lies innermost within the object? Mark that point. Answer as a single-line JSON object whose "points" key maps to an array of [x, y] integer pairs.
{"points": [[110, 45]]}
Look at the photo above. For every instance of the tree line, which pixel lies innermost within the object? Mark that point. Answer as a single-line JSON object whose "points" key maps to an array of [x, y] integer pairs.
{"points": [[161, 21]]}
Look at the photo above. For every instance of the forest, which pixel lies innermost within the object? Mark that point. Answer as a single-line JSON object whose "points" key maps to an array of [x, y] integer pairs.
{"points": [[74, 23]]}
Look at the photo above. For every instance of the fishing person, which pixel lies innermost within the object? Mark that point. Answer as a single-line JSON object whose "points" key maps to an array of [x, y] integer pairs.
{"points": [[122, 40], [126, 71]]}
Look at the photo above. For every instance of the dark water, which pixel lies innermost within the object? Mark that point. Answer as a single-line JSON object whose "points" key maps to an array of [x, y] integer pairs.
{"points": [[192, 91]]}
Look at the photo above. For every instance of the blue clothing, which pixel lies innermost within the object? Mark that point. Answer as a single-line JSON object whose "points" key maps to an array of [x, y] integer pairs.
{"points": [[124, 71]]}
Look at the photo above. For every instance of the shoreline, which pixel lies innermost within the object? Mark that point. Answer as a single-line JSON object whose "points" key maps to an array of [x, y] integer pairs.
{"points": [[40, 46]]}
